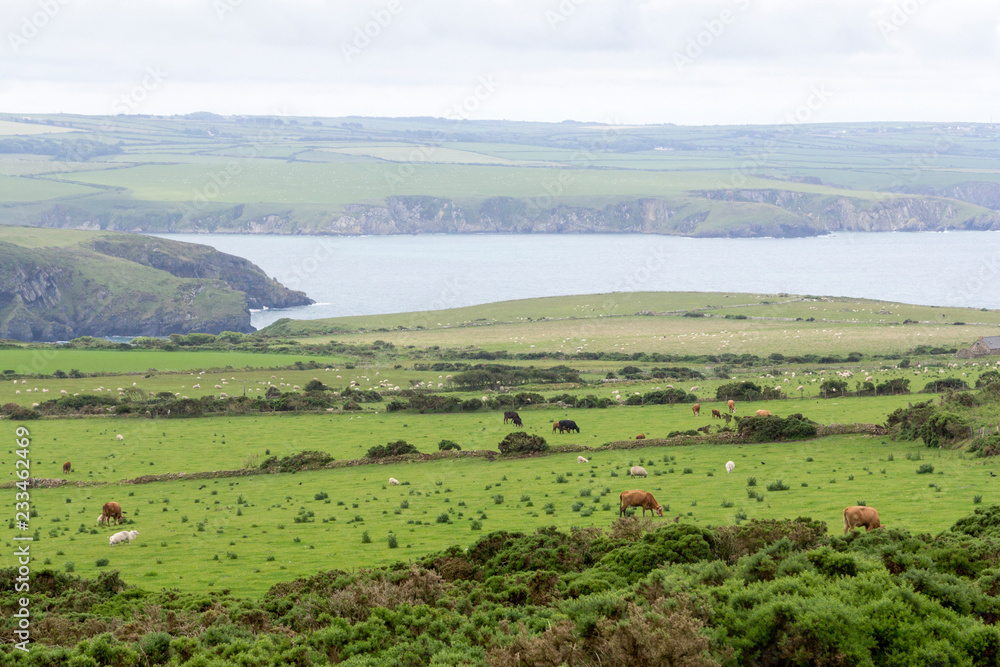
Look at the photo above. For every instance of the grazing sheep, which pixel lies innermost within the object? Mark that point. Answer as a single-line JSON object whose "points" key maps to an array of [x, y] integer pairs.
{"points": [[393, 481], [730, 466], [637, 471], [120, 437], [123, 536], [580, 459]]}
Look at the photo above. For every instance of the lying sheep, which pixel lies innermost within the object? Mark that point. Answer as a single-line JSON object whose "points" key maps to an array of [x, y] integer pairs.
{"points": [[123, 536]]}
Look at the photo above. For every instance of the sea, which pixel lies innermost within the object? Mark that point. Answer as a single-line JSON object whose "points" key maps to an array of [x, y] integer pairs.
{"points": [[364, 275]]}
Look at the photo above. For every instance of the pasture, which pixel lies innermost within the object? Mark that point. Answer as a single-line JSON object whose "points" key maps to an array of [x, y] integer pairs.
{"points": [[244, 534]]}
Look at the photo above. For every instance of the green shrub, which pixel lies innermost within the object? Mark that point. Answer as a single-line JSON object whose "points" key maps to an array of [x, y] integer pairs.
{"points": [[777, 485], [448, 445], [773, 428], [397, 448], [925, 469], [521, 442]]}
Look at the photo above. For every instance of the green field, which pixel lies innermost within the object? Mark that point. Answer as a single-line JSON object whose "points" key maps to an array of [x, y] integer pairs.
{"points": [[217, 173], [242, 532]]}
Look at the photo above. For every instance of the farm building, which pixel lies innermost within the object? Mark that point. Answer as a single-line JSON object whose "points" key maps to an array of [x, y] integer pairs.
{"points": [[985, 346]]}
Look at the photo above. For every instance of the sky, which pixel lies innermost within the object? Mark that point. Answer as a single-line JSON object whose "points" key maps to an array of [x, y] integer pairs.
{"points": [[688, 62]]}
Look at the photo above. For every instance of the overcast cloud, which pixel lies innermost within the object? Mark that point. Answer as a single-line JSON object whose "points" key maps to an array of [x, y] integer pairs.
{"points": [[625, 61]]}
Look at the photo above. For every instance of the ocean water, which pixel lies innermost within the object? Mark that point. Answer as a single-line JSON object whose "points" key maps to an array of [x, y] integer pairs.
{"points": [[365, 275]]}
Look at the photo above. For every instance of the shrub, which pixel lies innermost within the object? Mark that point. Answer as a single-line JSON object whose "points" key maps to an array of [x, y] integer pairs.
{"points": [[925, 469], [943, 428], [392, 541], [397, 448], [315, 385], [448, 445], [304, 460], [943, 385], [521, 442], [777, 485], [773, 428]]}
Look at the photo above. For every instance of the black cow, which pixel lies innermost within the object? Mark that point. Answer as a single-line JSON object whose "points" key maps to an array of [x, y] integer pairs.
{"points": [[510, 416], [517, 422], [567, 425]]}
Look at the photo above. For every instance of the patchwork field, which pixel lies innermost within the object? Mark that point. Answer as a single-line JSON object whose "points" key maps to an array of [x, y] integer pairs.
{"points": [[244, 533]]}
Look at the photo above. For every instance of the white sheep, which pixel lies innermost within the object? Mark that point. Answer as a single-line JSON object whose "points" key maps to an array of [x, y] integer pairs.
{"points": [[393, 481], [580, 459], [196, 386], [637, 471], [119, 437], [730, 466], [123, 536]]}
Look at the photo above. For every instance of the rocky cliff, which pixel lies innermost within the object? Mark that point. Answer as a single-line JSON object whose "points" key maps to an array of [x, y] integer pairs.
{"points": [[707, 213], [95, 288]]}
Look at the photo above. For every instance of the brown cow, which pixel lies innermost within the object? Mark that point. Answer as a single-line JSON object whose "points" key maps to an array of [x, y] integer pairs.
{"points": [[111, 511], [732, 407], [696, 408], [67, 467], [716, 414], [641, 436], [555, 426], [763, 413], [860, 515], [637, 498]]}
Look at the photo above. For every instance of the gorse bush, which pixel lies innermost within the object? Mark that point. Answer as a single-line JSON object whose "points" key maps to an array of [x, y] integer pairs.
{"points": [[521, 442], [773, 428], [397, 448]]}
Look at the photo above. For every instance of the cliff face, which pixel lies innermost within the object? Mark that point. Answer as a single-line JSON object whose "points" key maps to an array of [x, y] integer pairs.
{"points": [[185, 260], [707, 213], [128, 287]]}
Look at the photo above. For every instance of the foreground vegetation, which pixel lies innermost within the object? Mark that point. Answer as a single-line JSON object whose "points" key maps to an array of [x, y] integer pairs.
{"points": [[765, 592]]}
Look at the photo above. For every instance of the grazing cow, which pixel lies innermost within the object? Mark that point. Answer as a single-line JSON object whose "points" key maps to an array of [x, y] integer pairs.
{"points": [[120, 437], [555, 426], [509, 416], [567, 425], [112, 511], [716, 414], [580, 459], [763, 413], [859, 515], [640, 437], [637, 471], [393, 481], [732, 407], [67, 467], [123, 536], [696, 409], [730, 466], [517, 422], [637, 498]]}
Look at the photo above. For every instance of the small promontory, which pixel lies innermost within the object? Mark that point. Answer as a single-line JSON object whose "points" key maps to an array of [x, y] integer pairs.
{"points": [[58, 285]]}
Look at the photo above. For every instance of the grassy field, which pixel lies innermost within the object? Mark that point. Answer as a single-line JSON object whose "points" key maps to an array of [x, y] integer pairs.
{"points": [[246, 533], [242, 534], [292, 167]]}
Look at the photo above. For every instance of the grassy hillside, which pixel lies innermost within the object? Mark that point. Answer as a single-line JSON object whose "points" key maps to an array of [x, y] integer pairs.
{"points": [[203, 172], [59, 286]]}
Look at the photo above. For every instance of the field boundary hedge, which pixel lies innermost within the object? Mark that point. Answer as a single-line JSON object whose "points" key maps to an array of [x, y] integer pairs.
{"points": [[569, 448]]}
